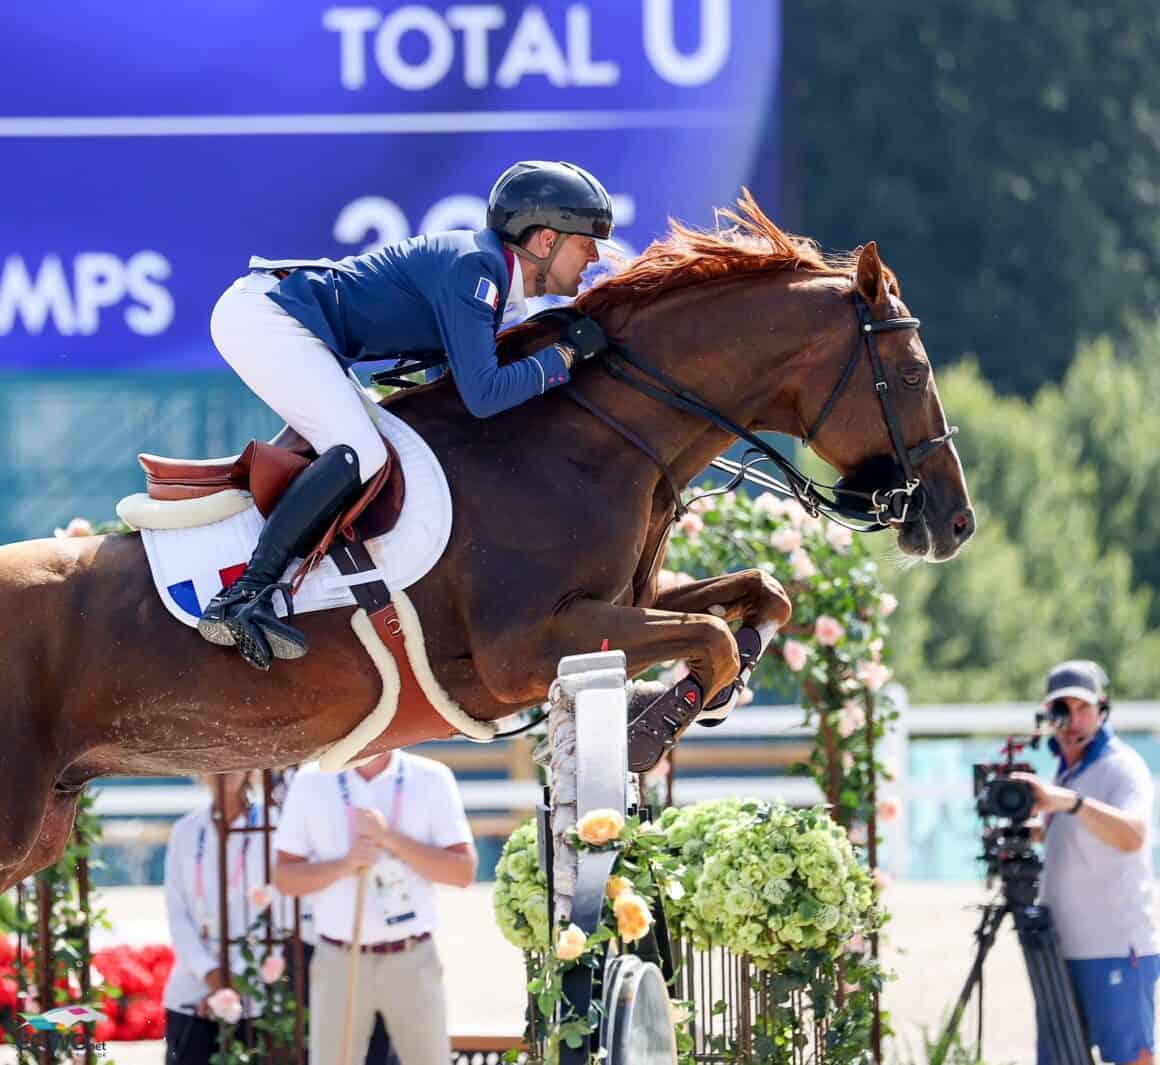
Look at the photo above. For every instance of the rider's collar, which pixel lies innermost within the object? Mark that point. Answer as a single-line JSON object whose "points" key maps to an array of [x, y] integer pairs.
{"points": [[516, 305]]}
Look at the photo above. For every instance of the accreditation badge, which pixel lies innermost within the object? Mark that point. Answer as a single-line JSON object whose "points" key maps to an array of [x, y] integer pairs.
{"points": [[392, 890]]}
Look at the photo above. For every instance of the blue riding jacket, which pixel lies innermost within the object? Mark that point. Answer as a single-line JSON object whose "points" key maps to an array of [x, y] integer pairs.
{"points": [[438, 291]]}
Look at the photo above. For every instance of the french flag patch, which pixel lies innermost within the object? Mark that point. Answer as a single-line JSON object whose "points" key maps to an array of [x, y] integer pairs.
{"points": [[487, 292]]}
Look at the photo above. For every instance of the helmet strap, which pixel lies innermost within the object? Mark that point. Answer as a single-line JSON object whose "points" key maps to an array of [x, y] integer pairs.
{"points": [[543, 263]]}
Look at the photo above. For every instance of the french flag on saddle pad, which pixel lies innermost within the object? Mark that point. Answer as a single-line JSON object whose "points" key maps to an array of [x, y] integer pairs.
{"points": [[487, 292], [193, 594]]}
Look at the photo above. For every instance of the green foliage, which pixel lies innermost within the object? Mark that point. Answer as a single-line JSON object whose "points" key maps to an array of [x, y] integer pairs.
{"points": [[779, 887], [1066, 492], [1004, 156]]}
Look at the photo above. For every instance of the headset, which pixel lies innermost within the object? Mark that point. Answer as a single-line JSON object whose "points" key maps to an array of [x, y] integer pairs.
{"points": [[1058, 712]]}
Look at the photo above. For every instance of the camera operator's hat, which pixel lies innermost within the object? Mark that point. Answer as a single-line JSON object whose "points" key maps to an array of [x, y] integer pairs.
{"points": [[1080, 678]]}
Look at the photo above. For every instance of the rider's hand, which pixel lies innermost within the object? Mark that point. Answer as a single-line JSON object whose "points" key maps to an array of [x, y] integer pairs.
{"points": [[585, 338]]}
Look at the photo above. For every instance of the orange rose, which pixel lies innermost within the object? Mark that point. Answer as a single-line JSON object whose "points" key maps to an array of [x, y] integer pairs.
{"points": [[600, 827], [570, 943], [632, 916], [617, 886]]}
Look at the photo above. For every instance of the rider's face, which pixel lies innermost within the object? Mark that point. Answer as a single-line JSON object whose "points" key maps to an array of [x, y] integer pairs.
{"points": [[573, 258]]}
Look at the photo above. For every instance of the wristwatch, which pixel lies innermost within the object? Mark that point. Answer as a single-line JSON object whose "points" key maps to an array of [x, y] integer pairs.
{"points": [[1078, 803]]}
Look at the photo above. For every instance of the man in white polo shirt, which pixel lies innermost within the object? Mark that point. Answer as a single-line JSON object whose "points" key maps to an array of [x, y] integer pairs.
{"points": [[401, 818], [1097, 866]]}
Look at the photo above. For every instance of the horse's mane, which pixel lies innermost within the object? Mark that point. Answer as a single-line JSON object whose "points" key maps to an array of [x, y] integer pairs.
{"points": [[750, 242]]}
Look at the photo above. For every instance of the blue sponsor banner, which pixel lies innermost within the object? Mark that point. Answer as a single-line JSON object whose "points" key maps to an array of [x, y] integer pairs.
{"points": [[149, 149]]}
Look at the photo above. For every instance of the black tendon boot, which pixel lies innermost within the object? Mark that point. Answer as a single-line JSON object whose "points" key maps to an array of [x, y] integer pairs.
{"points": [[654, 731], [242, 615]]}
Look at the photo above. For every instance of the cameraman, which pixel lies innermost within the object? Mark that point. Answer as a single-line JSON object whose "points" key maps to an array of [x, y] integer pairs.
{"points": [[1097, 866]]}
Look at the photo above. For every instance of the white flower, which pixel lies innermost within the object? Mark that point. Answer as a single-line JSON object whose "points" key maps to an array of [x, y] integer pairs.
{"points": [[839, 538], [787, 539], [803, 567], [872, 674], [887, 604]]}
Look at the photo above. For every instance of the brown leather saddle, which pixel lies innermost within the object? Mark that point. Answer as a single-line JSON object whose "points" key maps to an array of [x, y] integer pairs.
{"points": [[266, 470]]}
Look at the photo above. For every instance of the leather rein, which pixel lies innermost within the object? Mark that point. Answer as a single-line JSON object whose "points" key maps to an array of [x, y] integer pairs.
{"points": [[880, 508]]}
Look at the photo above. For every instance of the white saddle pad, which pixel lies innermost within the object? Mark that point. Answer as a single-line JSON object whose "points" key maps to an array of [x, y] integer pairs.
{"points": [[189, 564]]}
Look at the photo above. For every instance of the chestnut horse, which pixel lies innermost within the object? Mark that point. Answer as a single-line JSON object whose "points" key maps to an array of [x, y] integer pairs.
{"points": [[559, 528]]}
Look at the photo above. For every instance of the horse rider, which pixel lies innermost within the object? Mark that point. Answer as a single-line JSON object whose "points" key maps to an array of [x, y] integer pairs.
{"points": [[292, 328]]}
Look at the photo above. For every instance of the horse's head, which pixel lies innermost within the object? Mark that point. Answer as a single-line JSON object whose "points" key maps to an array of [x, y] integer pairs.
{"points": [[766, 333], [868, 405]]}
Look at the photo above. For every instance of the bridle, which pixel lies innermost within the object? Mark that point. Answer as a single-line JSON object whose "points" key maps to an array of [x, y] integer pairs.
{"points": [[879, 508]]}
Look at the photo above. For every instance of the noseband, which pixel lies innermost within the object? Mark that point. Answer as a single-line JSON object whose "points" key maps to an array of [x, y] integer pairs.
{"points": [[879, 507]]}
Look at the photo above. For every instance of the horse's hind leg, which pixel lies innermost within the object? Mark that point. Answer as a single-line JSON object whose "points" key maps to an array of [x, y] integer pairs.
{"points": [[33, 817]]}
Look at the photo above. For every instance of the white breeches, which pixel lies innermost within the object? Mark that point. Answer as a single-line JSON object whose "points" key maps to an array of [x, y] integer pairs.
{"points": [[293, 372]]}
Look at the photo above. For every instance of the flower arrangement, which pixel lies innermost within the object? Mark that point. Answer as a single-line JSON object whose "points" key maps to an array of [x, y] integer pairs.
{"points": [[780, 887]]}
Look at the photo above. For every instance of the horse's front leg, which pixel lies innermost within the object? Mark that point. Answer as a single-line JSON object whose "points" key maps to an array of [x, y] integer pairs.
{"points": [[750, 596], [647, 637]]}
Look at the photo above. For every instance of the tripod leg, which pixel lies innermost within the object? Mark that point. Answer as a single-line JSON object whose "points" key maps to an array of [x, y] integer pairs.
{"points": [[1051, 986], [985, 938]]}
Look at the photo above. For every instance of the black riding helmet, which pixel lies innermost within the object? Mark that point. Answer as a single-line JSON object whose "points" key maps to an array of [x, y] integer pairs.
{"points": [[559, 196]]}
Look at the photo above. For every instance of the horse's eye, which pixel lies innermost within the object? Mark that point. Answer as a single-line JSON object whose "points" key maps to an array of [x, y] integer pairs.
{"points": [[912, 376]]}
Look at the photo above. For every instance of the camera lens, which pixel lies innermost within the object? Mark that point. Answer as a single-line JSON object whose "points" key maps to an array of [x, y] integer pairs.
{"points": [[1012, 799]]}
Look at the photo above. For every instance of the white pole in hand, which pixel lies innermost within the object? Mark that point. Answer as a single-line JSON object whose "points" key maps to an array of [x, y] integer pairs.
{"points": [[352, 975]]}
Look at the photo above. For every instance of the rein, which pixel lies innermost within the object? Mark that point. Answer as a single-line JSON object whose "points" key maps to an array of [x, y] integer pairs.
{"points": [[882, 507]]}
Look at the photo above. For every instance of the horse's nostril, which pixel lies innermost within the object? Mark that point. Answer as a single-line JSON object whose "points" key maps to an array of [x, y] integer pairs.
{"points": [[963, 524]]}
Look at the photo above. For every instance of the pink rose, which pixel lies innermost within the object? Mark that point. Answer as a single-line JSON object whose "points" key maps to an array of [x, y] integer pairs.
{"points": [[839, 538], [226, 1005], [889, 808], [853, 718], [691, 525], [786, 539], [261, 896], [887, 604], [872, 674], [803, 567], [76, 527], [828, 630], [795, 655], [882, 879], [272, 969], [768, 503]]}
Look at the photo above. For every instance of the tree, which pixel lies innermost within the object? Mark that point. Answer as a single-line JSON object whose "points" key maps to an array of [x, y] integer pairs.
{"points": [[1005, 156], [1038, 583]]}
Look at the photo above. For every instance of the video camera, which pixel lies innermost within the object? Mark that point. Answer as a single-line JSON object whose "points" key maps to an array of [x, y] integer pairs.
{"points": [[1007, 846]]}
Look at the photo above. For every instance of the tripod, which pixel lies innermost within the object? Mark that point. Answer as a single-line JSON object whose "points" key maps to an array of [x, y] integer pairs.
{"points": [[1057, 1014]]}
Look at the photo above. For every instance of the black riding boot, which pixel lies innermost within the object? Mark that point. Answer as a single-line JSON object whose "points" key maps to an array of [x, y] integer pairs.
{"points": [[242, 615]]}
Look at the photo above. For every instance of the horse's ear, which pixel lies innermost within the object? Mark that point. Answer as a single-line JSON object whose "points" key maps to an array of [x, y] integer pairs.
{"points": [[872, 278]]}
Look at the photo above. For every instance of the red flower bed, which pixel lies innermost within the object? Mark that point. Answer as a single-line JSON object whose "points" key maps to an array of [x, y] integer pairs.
{"points": [[132, 981]]}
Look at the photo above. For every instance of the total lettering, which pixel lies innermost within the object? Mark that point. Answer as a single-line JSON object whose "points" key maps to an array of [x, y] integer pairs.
{"points": [[460, 39]]}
